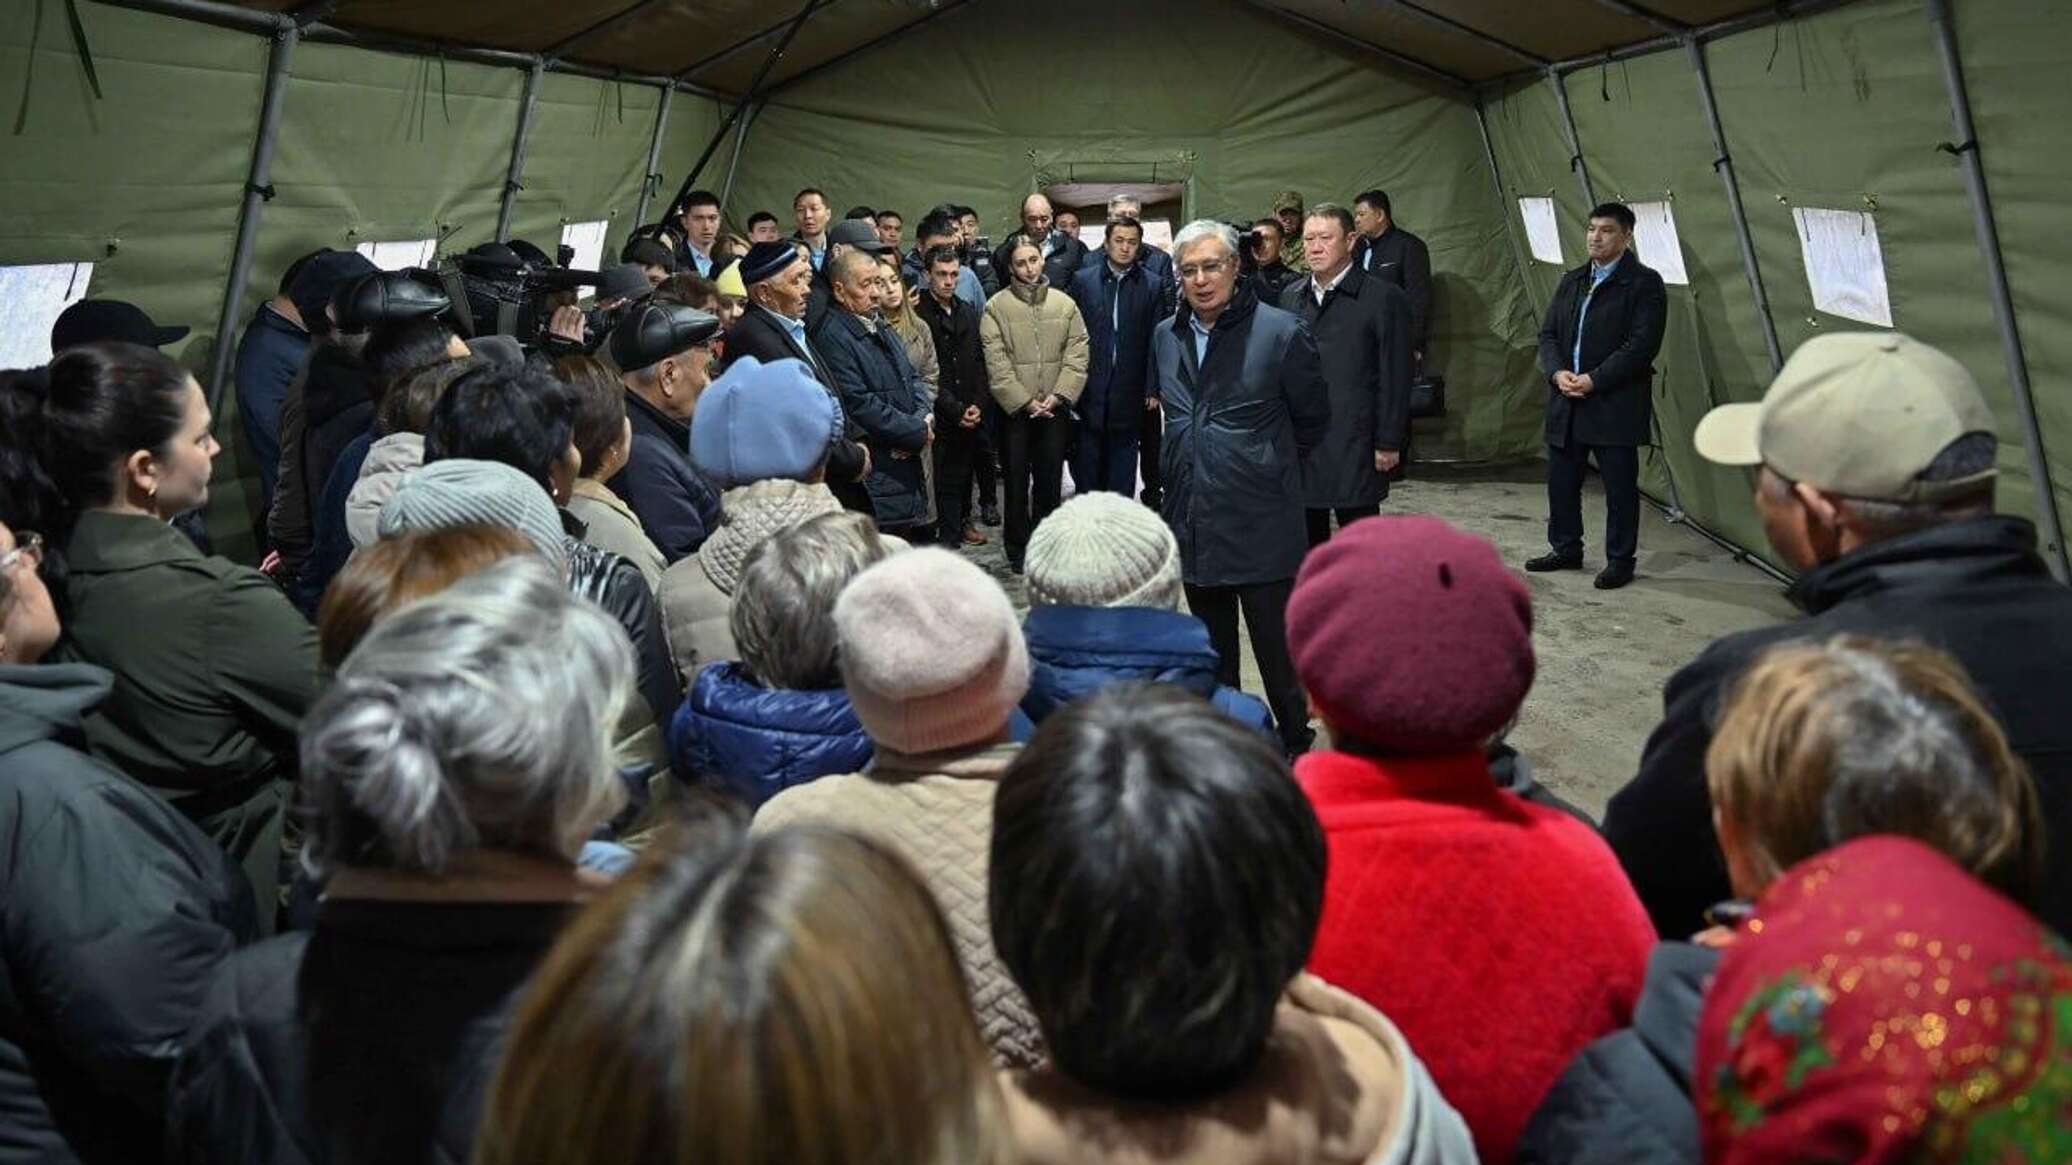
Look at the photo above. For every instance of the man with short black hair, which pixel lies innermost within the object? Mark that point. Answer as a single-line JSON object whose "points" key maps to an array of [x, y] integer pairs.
{"points": [[976, 256], [963, 391], [1875, 458], [1067, 223], [1271, 275], [269, 354], [1062, 253], [1387, 251], [664, 354], [1121, 309], [860, 214], [884, 399], [940, 230], [890, 227], [763, 228], [655, 257], [1597, 351], [809, 210], [695, 232]]}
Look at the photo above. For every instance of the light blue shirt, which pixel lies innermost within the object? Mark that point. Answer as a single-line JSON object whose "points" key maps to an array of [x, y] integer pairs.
{"points": [[796, 328], [699, 258], [1201, 339], [1598, 274], [816, 257]]}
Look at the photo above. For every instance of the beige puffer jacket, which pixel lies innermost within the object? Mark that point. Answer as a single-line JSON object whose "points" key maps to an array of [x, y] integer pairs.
{"points": [[697, 592], [1035, 344]]}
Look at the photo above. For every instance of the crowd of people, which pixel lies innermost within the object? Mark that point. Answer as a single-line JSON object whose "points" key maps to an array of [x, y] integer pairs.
{"points": [[620, 756]]}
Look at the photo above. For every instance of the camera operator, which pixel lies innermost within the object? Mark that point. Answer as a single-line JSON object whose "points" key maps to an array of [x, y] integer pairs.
{"points": [[978, 250], [573, 331], [1264, 247]]}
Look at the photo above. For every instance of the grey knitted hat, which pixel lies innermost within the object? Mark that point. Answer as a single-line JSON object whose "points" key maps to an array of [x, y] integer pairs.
{"points": [[1103, 550], [460, 492]]}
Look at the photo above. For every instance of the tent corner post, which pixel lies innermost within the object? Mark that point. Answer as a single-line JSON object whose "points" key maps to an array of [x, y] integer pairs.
{"points": [[1496, 179], [514, 181], [726, 190], [1723, 163], [651, 173], [1967, 153], [258, 189], [1575, 141]]}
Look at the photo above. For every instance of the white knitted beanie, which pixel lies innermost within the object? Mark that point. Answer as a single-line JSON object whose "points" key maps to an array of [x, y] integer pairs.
{"points": [[460, 492], [1103, 550], [932, 655], [754, 512]]}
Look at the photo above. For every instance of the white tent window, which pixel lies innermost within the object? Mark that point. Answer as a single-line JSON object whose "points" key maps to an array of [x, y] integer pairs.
{"points": [[1542, 233], [395, 256], [588, 240], [1656, 241], [31, 299], [1845, 267]]}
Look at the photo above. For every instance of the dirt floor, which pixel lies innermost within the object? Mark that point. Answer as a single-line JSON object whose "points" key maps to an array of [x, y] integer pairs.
{"points": [[1603, 656]]}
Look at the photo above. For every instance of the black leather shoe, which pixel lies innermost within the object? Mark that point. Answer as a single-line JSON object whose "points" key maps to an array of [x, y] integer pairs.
{"points": [[989, 514], [1547, 562], [1614, 576]]}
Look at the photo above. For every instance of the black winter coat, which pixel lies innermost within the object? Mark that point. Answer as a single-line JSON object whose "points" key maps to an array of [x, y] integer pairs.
{"points": [[675, 504], [370, 1039], [1119, 375], [961, 378], [758, 334], [1403, 259], [616, 585], [1626, 1100], [1363, 336], [1621, 336], [116, 913], [1975, 588], [884, 397], [1067, 255], [1237, 425]]}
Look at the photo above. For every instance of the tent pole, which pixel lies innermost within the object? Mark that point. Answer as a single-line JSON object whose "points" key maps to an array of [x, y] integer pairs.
{"points": [[1723, 162], [1496, 179], [652, 173], [512, 183], [1430, 72], [1966, 150], [1575, 143], [726, 190], [755, 90], [258, 188]]}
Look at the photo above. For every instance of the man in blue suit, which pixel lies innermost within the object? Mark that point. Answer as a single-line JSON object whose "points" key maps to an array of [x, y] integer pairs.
{"points": [[1119, 299]]}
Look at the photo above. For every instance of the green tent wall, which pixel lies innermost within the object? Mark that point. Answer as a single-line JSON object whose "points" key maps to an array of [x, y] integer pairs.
{"points": [[1845, 107]]}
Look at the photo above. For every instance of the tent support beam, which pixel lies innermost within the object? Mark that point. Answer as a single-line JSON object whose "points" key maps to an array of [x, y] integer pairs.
{"points": [[733, 50], [1645, 15], [947, 7], [514, 182], [1575, 143], [726, 190], [1430, 72], [1469, 31], [562, 46], [755, 91], [258, 188], [1723, 162], [651, 175], [253, 20], [1503, 201], [1966, 151], [1776, 14]]}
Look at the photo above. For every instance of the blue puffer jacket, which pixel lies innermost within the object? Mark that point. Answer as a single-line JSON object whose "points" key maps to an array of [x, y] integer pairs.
{"points": [[755, 742], [1077, 651]]}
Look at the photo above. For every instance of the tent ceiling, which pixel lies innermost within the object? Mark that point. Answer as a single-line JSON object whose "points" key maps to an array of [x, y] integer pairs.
{"points": [[722, 44]]}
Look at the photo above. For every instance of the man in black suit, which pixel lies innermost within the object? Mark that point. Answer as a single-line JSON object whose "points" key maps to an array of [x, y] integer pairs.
{"points": [[1597, 350], [1387, 251], [773, 328], [1063, 254]]}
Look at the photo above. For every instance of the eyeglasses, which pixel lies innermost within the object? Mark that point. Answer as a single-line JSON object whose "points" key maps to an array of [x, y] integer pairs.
{"points": [[1208, 267], [28, 547]]}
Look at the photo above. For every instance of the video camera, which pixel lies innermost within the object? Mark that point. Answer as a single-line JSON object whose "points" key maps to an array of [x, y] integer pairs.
{"points": [[1248, 239], [500, 294]]}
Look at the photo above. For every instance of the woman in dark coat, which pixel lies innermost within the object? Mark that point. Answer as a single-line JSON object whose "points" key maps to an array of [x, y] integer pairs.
{"points": [[453, 772], [779, 716], [115, 911]]}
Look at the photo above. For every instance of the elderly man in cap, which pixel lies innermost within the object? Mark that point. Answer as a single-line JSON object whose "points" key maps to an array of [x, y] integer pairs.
{"points": [[851, 234], [1874, 458], [773, 328], [664, 355]]}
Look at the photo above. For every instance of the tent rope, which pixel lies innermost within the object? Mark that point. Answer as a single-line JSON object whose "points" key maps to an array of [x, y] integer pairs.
{"points": [[86, 52]]}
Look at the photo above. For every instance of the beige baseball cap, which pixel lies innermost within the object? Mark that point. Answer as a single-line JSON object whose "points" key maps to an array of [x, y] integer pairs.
{"points": [[1860, 414]]}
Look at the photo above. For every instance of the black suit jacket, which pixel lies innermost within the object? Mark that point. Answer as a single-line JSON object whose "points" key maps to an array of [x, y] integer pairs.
{"points": [[1362, 332], [758, 334], [1621, 335], [1403, 259]]}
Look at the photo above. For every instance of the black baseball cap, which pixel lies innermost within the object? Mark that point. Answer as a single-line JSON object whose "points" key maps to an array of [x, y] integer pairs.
{"points": [[860, 234], [92, 320], [653, 332], [649, 252], [623, 281]]}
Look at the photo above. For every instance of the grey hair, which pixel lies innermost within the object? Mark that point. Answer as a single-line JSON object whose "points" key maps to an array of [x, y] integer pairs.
{"points": [[1117, 202], [784, 604], [1204, 228], [478, 716]]}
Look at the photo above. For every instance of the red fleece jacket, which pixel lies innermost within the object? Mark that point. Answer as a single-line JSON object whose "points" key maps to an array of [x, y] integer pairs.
{"points": [[1500, 935]]}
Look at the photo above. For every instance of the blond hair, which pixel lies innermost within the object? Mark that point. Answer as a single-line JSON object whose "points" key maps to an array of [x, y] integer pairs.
{"points": [[783, 997], [1821, 742]]}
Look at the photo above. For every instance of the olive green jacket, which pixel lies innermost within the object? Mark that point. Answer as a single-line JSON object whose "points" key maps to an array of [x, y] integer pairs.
{"points": [[213, 667]]}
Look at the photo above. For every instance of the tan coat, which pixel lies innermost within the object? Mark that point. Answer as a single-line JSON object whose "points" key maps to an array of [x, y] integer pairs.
{"points": [[610, 524], [1035, 344], [935, 811], [697, 591], [1338, 1086]]}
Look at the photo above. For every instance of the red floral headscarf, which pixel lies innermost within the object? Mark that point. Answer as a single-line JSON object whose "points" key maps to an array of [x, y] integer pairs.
{"points": [[1883, 1006]]}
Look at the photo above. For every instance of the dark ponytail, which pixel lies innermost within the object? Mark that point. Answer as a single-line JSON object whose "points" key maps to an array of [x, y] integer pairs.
{"points": [[107, 401]]}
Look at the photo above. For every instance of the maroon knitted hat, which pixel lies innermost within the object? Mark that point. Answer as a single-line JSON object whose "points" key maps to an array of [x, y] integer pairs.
{"points": [[1411, 636]]}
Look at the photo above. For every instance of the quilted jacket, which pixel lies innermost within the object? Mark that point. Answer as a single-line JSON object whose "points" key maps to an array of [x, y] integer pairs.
{"points": [[754, 742], [936, 811]]}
